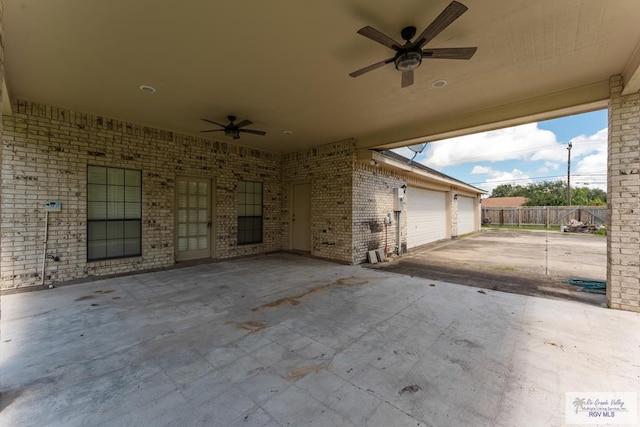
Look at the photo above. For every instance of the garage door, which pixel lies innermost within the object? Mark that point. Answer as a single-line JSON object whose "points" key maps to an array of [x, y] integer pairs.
{"points": [[466, 217], [426, 216]]}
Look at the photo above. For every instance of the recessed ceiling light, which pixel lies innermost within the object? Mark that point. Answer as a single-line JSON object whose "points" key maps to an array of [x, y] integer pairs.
{"points": [[148, 89], [288, 132], [439, 83]]}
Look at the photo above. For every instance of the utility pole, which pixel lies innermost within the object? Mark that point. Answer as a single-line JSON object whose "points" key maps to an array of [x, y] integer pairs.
{"points": [[569, 174]]}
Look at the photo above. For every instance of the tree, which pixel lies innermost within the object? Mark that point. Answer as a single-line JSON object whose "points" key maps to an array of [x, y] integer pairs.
{"points": [[508, 190], [548, 193]]}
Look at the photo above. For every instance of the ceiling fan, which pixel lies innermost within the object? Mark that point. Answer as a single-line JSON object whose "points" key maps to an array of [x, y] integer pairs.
{"points": [[409, 55], [232, 129]]}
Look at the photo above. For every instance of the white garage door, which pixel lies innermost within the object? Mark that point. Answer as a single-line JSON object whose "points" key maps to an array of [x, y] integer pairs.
{"points": [[426, 216], [466, 217]]}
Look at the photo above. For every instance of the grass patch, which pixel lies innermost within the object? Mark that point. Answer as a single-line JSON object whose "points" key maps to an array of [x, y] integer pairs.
{"points": [[504, 268]]}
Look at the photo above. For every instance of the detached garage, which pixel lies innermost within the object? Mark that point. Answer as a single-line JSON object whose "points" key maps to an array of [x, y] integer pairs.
{"points": [[426, 216]]}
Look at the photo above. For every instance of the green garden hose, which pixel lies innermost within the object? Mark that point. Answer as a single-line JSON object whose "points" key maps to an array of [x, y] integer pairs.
{"points": [[591, 286]]}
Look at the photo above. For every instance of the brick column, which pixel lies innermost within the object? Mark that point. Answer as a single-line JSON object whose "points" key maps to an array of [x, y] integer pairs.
{"points": [[623, 199]]}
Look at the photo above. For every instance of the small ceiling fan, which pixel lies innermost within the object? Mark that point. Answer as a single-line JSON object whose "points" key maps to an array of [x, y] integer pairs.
{"points": [[409, 55], [232, 129]]}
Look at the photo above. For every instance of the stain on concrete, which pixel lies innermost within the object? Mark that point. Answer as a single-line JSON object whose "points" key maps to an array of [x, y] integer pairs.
{"points": [[560, 346], [297, 372], [295, 300], [252, 326], [84, 298], [101, 292], [467, 343], [413, 388]]}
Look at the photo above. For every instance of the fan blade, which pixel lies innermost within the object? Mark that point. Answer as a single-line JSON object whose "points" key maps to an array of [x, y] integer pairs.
{"points": [[213, 130], [448, 15], [215, 123], [244, 123], [407, 78], [256, 132], [377, 36], [450, 53], [371, 67]]}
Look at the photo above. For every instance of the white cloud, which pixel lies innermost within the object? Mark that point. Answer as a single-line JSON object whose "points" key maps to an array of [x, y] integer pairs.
{"points": [[480, 170], [591, 170], [522, 142], [496, 178]]}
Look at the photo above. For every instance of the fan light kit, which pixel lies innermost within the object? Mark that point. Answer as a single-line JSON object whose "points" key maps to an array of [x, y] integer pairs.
{"points": [[409, 55], [233, 130]]}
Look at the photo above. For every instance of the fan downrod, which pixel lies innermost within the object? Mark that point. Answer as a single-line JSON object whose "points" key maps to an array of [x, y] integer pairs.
{"points": [[407, 33], [231, 118]]}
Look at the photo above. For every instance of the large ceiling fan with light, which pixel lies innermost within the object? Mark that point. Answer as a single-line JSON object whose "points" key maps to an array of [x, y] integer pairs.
{"points": [[409, 55], [233, 129]]}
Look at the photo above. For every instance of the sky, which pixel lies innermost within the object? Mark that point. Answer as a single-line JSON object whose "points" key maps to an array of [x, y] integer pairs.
{"points": [[525, 154]]}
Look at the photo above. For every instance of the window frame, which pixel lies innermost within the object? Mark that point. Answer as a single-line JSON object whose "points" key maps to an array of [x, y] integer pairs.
{"points": [[250, 210], [113, 207]]}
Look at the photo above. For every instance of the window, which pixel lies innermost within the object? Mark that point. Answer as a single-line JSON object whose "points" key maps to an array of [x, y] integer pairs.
{"points": [[114, 213], [249, 212]]}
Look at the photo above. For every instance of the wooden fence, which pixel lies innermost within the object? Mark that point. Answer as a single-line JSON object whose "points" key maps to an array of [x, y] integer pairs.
{"points": [[548, 216]]}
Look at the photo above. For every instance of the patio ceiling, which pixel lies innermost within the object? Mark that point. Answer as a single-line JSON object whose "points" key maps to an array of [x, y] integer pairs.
{"points": [[285, 65]]}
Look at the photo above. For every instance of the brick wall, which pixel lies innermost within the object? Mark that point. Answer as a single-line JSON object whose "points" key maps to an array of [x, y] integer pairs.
{"points": [[372, 201], [45, 154], [623, 199], [329, 169]]}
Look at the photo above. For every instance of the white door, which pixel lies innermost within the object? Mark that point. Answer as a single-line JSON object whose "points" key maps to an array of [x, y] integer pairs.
{"points": [[301, 218], [466, 215], [426, 216], [193, 218]]}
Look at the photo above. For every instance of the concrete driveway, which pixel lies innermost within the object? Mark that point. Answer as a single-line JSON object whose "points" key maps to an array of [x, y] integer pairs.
{"points": [[285, 340], [526, 262]]}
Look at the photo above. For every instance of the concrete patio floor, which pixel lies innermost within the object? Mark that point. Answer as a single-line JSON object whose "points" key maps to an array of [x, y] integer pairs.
{"points": [[287, 340]]}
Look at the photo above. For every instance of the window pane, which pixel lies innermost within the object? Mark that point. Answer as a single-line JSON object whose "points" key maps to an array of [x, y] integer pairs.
{"points": [[182, 244], [202, 188], [96, 210], [115, 176], [97, 249], [132, 229], [202, 243], [202, 202], [115, 248], [115, 210], [97, 231], [116, 194], [132, 247], [241, 187], [132, 178], [182, 230], [132, 194], [193, 187], [97, 175], [115, 230], [182, 187], [96, 192], [132, 210]]}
